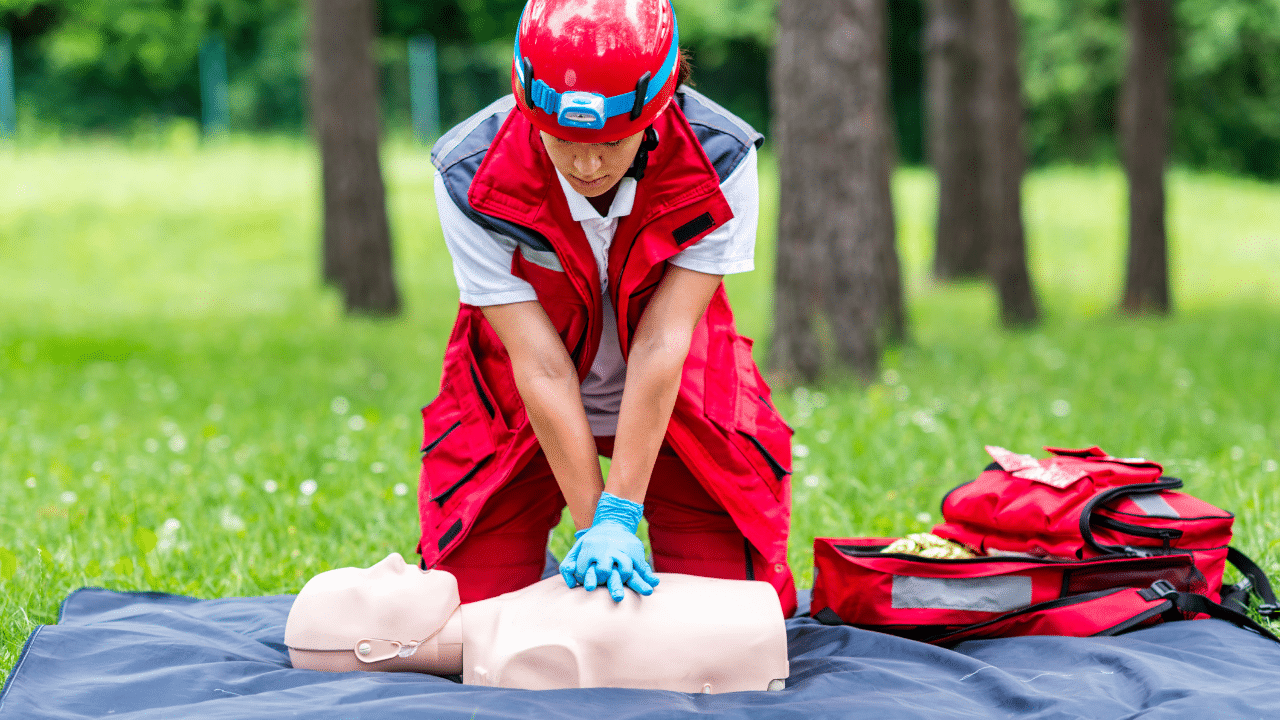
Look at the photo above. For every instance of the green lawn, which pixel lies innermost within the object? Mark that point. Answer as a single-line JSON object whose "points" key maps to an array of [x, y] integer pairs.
{"points": [[183, 409]]}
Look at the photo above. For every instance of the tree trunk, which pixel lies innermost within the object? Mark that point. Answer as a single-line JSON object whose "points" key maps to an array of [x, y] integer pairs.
{"points": [[837, 267], [954, 139], [1144, 129], [1003, 161], [344, 115]]}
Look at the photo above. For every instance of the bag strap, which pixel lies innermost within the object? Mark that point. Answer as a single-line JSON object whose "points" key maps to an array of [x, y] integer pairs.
{"points": [[1196, 604], [1086, 515], [1255, 581]]}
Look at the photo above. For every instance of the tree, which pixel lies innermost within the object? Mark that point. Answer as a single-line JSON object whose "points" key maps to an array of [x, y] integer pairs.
{"points": [[344, 113], [837, 266], [1144, 130], [954, 139], [1003, 160]]}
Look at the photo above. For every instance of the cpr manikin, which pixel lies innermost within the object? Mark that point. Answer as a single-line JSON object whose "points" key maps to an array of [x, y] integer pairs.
{"points": [[698, 634]]}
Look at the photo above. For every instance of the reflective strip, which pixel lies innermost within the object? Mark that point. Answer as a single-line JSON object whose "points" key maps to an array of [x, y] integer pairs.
{"points": [[987, 594], [541, 258], [1154, 505], [501, 105]]}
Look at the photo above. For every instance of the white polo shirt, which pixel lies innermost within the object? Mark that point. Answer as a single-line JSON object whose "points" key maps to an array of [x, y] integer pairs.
{"points": [[482, 267]]}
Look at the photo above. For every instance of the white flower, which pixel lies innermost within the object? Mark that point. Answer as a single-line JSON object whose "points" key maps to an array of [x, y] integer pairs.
{"points": [[177, 443], [812, 480], [923, 517], [890, 377], [378, 468], [230, 521], [356, 423], [270, 486], [1237, 453], [400, 490], [167, 534], [800, 451], [67, 497], [1060, 408], [924, 421], [1271, 466], [31, 482], [308, 487], [340, 405]]}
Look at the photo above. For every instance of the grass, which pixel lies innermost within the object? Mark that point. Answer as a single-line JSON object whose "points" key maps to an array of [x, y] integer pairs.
{"points": [[184, 409]]}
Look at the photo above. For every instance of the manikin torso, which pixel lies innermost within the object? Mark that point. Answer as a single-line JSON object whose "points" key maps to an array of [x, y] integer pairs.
{"points": [[691, 635]]}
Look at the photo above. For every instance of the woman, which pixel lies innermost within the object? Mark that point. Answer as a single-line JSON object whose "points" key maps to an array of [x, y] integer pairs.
{"points": [[590, 217]]}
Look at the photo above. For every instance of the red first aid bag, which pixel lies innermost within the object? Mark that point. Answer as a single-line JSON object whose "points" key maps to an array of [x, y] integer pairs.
{"points": [[944, 601], [1083, 504], [1078, 544]]}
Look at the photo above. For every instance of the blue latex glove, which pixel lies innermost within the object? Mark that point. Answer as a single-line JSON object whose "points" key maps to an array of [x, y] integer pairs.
{"points": [[610, 552]]}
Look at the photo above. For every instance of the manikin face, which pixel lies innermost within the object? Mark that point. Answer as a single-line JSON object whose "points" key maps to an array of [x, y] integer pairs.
{"points": [[592, 169], [363, 615]]}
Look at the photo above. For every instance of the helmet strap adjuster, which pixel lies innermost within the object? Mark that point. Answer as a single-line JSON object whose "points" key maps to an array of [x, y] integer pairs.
{"points": [[528, 81], [642, 89]]}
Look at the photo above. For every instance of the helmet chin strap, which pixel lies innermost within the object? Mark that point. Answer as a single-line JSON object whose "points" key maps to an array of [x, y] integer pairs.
{"points": [[641, 162]]}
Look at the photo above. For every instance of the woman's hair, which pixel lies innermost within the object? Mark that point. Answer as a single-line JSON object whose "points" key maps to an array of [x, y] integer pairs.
{"points": [[686, 69]]}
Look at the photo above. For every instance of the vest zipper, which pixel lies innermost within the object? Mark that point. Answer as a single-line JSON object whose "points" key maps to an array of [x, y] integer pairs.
{"points": [[488, 406], [778, 469], [431, 446], [443, 497]]}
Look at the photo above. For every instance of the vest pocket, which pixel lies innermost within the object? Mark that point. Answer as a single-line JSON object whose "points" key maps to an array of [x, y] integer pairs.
{"points": [[740, 405], [457, 442]]}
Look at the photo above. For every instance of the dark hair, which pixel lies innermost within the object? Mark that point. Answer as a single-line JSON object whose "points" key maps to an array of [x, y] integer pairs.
{"points": [[685, 71]]}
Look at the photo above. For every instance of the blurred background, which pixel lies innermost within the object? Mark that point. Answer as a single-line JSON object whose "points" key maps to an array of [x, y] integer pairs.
{"points": [[133, 68]]}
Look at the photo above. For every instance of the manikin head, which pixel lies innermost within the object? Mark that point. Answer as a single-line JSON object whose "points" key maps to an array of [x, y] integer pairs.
{"points": [[392, 616]]}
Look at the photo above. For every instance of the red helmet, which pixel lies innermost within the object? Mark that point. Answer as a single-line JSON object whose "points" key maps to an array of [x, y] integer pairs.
{"points": [[595, 71]]}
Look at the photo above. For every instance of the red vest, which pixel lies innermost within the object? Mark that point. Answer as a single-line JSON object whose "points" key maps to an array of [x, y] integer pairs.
{"points": [[476, 433]]}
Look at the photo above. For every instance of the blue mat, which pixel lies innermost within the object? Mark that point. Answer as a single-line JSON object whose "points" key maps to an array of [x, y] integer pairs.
{"points": [[150, 655]]}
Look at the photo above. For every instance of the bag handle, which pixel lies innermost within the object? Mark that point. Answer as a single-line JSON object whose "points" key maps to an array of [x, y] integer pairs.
{"points": [[1086, 515]]}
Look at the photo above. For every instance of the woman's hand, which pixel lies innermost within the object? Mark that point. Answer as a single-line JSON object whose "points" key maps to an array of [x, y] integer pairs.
{"points": [[609, 551]]}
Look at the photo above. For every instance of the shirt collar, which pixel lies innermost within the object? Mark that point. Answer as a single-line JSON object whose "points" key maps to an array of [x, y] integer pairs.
{"points": [[581, 209]]}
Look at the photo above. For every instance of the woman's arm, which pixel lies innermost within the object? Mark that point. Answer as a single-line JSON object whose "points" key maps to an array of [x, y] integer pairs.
{"points": [[549, 386], [654, 367]]}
